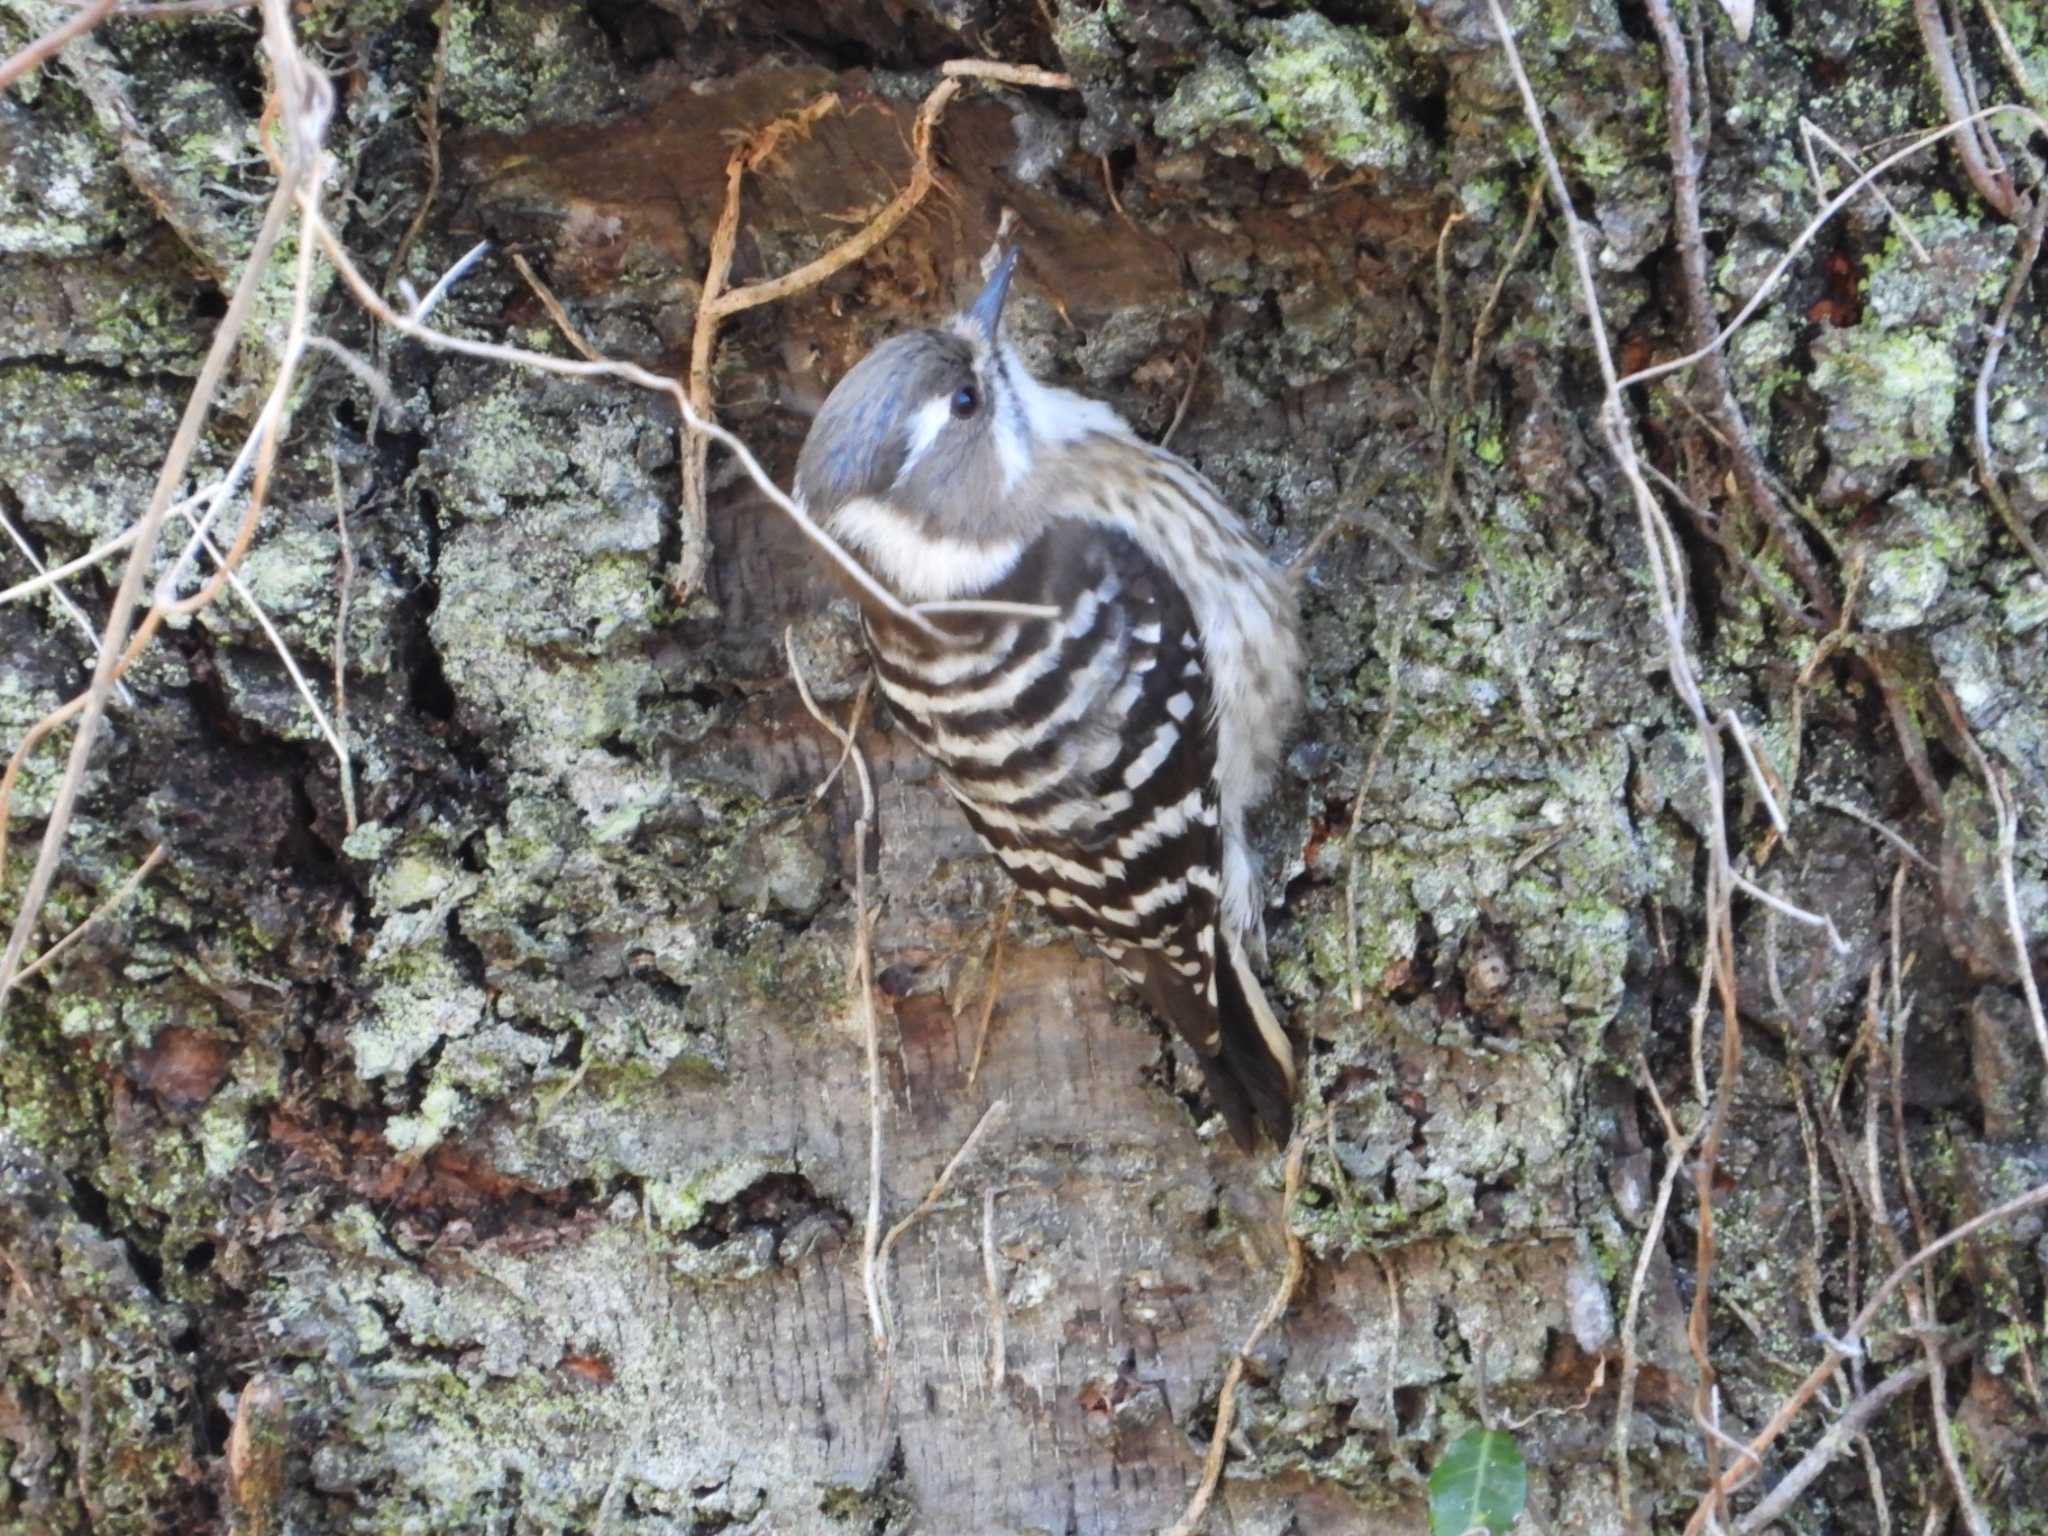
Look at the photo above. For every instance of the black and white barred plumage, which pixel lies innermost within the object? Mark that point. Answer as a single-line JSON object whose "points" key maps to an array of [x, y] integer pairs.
{"points": [[1107, 756]]}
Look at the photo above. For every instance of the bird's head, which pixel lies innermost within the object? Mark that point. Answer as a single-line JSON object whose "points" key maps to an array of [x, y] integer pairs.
{"points": [[942, 427]]}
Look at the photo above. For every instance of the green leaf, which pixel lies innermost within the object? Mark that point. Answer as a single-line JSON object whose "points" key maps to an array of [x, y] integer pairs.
{"points": [[1480, 1483]]}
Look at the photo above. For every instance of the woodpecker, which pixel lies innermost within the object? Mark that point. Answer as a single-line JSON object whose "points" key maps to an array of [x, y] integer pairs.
{"points": [[1107, 756]]}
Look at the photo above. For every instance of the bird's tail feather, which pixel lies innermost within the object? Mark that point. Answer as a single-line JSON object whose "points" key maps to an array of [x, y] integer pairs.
{"points": [[1246, 1058], [1253, 1047]]}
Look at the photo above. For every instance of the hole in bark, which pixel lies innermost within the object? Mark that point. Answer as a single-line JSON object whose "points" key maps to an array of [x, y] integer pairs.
{"points": [[1410, 1403]]}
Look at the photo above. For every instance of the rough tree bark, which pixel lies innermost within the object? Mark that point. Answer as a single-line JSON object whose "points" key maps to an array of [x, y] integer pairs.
{"points": [[503, 1161]]}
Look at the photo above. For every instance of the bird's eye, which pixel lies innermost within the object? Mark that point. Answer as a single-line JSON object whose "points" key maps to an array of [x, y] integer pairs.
{"points": [[966, 401]]}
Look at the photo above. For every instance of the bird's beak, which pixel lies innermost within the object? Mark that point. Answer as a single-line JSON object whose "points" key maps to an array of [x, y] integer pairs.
{"points": [[986, 312]]}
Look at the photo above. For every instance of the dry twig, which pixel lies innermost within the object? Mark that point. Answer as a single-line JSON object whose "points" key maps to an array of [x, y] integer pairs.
{"points": [[864, 983], [553, 306], [1852, 1422], [52, 42], [1980, 399], [99, 914], [1839, 1350], [1226, 1397], [1692, 250], [990, 1118], [1993, 182]]}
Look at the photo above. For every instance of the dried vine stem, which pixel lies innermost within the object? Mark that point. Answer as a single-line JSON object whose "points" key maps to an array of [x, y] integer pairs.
{"points": [[990, 1119], [52, 42], [1851, 1423], [1839, 1350], [1686, 159], [864, 983], [717, 302], [1993, 183], [99, 914], [305, 101], [1980, 399], [1282, 1298]]}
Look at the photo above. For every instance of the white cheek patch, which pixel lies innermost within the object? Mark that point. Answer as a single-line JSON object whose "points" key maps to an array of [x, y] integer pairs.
{"points": [[1013, 444], [1055, 416], [916, 564], [925, 426]]}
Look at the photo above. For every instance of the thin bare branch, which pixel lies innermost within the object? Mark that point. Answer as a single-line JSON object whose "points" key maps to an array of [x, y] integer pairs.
{"points": [[1980, 398], [1814, 226], [1853, 1421], [52, 42], [990, 1119], [1282, 1298], [1993, 183], [1839, 1350], [99, 914]]}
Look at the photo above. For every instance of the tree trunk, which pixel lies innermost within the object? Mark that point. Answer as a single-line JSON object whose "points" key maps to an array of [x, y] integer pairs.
{"points": [[482, 1142]]}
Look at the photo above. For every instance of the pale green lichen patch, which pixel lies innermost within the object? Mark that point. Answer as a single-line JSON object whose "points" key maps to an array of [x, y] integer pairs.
{"points": [[1330, 91], [512, 65], [417, 1007], [1311, 91], [1891, 396], [1912, 554], [677, 1203], [79, 451]]}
